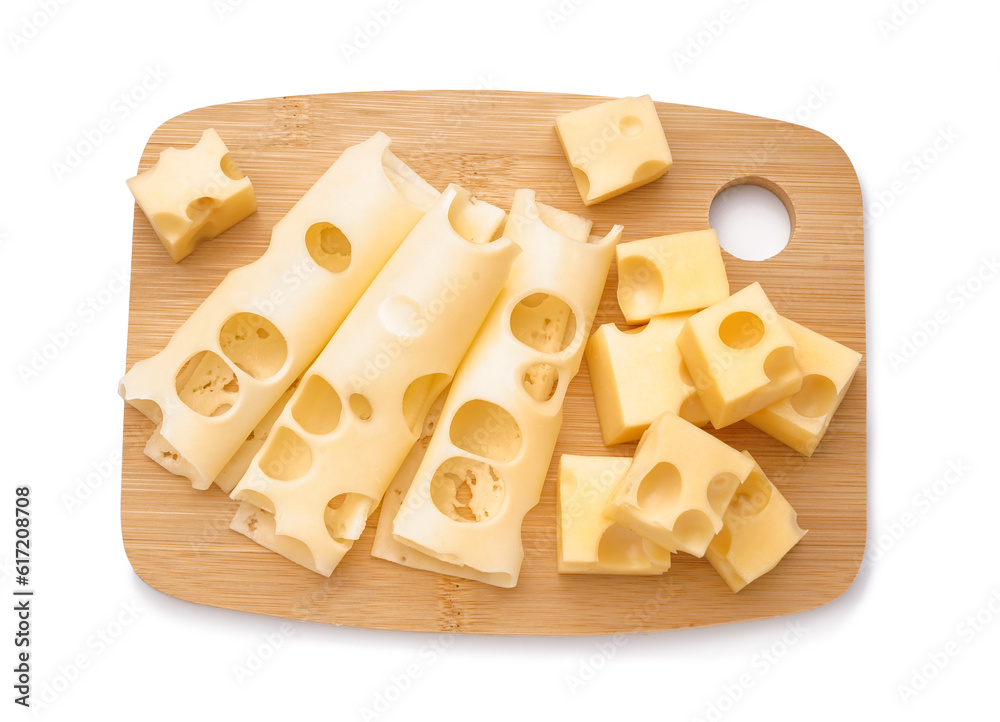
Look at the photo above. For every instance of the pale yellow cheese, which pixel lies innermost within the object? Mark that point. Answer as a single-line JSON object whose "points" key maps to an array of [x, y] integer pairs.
{"points": [[360, 406], [638, 374], [587, 541], [487, 461], [234, 357], [193, 195], [679, 484], [614, 147], [669, 274], [759, 528], [828, 367], [740, 356]]}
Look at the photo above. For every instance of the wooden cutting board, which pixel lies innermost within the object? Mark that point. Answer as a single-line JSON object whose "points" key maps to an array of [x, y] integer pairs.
{"points": [[178, 539]]}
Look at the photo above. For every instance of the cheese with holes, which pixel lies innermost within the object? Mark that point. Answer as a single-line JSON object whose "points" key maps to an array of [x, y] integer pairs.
{"points": [[193, 195], [238, 352], [487, 461], [670, 274], [638, 374], [828, 368], [679, 485], [360, 406], [587, 541], [614, 147], [740, 356], [759, 528]]}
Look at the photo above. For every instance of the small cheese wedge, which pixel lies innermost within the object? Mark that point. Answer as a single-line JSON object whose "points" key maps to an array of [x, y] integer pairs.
{"points": [[588, 542], [360, 406], [637, 375], [759, 528], [487, 461], [678, 486], [614, 147], [740, 356], [233, 358], [670, 274], [193, 195], [828, 367]]}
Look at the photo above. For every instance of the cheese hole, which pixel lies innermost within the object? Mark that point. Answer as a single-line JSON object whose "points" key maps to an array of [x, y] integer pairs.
{"points": [[582, 181], [361, 407], [318, 407], [201, 207], [467, 490], [206, 384], [722, 542], [286, 456], [345, 516], [780, 364], [418, 398], [655, 552], [621, 548], [256, 498], [229, 167], [742, 329], [647, 170], [659, 489], [692, 527], [752, 497], [640, 286], [254, 344], [720, 491], [329, 247], [401, 316], [541, 381], [543, 322], [815, 397], [630, 126], [485, 429]]}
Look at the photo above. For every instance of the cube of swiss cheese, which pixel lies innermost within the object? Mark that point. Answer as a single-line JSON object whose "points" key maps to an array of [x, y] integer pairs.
{"points": [[614, 147], [193, 195]]}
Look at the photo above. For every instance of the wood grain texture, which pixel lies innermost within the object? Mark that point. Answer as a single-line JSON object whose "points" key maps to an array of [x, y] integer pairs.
{"points": [[492, 143]]}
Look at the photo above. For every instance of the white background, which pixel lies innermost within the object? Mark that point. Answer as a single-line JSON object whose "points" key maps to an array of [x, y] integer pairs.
{"points": [[886, 80]]}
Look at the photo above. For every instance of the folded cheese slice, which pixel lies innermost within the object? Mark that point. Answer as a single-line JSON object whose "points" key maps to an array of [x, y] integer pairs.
{"points": [[487, 461], [234, 357], [360, 407]]}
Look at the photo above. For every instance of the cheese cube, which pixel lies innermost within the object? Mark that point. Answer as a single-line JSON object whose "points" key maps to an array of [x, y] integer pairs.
{"points": [[679, 485], [740, 355], [759, 528], [588, 542], [614, 147], [193, 195], [637, 375], [801, 420], [668, 274]]}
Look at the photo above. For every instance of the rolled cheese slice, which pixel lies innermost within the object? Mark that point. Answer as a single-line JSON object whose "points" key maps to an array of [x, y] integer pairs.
{"points": [[234, 357], [360, 407], [488, 458]]}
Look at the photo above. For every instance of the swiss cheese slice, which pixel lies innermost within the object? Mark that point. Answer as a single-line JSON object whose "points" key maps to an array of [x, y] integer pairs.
{"points": [[360, 407]]}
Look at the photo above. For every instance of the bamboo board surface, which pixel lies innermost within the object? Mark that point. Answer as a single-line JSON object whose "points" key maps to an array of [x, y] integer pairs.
{"points": [[178, 539]]}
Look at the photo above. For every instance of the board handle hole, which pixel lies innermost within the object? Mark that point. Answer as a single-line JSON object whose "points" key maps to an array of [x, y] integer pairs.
{"points": [[753, 218]]}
